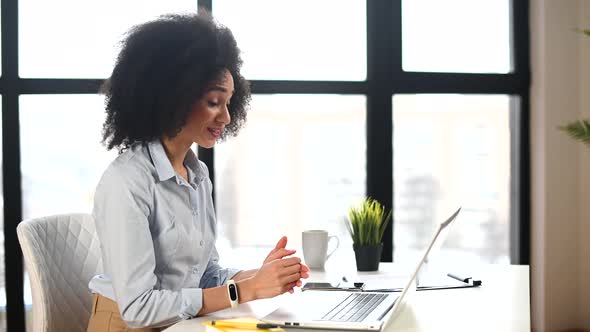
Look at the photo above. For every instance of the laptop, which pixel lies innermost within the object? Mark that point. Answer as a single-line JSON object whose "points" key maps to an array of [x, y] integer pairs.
{"points": [[352, 310]]}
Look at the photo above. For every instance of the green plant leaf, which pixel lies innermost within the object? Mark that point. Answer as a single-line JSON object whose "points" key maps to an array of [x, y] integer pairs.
{"points": [[578, 130], [367, 222], [583, 31]]}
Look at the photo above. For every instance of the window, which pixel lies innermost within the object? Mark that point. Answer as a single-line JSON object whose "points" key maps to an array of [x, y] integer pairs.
{"points": [[462, 36], [449, 151], [446, 149], [61, 167], [298, 40], [296, 165], [420, 104], [78, 39]]}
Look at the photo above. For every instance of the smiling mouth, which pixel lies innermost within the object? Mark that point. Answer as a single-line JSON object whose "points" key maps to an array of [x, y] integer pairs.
{"points": [[215, 132]]}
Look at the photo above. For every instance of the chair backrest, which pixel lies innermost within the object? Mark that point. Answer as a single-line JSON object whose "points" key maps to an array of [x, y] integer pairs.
{"points": [[62, 254]]}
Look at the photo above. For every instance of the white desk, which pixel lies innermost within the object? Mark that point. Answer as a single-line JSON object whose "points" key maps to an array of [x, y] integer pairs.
{"points": [[501, 304]]}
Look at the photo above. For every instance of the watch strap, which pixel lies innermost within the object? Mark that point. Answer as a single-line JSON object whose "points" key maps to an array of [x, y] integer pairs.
{"points": [[232, 292]]}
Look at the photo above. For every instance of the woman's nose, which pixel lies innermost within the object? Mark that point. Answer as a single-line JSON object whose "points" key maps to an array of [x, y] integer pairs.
{"points": [[224, 116]]}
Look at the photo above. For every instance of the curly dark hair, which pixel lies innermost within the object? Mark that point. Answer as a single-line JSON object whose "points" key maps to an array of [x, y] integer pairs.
{"points": [[163, 68]]}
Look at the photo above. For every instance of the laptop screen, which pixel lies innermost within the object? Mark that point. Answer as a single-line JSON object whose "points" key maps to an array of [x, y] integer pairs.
{"points": [[410, 286]]}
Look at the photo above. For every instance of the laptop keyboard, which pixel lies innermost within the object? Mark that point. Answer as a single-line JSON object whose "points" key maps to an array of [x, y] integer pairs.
{"points": [[355, 307]]}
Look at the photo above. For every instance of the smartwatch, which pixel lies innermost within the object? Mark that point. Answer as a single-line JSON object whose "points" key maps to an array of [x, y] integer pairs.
{"points": [[232, 291]]}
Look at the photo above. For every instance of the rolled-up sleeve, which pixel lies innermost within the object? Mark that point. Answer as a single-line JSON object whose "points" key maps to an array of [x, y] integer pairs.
{"points": [[122, 210], [192, 302]]}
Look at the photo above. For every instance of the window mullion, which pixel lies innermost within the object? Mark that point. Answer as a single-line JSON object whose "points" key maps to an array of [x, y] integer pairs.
{"points": [[383, 59]]}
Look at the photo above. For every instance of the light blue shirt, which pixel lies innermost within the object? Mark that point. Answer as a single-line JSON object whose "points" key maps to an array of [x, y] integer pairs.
{"points": [[157, 234]]}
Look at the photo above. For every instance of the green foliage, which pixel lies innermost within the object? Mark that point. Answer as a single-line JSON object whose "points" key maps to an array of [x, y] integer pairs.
{"points": [[367, 222], [578, 130]]}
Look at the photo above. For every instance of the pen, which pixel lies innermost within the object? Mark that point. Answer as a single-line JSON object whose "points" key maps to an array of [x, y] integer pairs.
{"points": [[242, 325], [468, 280], [456, 277]]}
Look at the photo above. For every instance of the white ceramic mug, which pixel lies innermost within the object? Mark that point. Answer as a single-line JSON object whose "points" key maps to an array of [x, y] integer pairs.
{"points": [[315, 247]]}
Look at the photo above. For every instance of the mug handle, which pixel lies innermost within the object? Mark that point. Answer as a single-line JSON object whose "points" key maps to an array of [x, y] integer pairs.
{"points": [[337, 245]]}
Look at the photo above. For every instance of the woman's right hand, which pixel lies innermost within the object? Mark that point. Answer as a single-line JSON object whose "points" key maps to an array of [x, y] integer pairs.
{"points": [[276, 277]]}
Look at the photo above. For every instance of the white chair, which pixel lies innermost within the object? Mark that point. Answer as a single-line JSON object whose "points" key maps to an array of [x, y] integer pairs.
{"points": [[62, 254]]}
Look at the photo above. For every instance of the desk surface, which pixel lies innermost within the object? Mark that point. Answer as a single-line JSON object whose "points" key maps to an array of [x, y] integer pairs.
{"points": [[501, 304]]}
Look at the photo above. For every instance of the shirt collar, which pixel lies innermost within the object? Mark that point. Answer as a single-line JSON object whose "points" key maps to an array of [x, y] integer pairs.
{"points": [[164, 166], [160, 160], [192, 163]]}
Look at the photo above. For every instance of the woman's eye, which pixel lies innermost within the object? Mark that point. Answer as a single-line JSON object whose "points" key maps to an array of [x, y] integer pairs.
{"points": [[212, 104]]}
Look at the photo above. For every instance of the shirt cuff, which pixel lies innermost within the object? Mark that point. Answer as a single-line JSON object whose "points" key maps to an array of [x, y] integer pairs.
{"points": [[192, 302], [230, 274]]}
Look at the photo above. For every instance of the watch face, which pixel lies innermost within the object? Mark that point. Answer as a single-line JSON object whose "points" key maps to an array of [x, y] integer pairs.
{"points": [[233, 292]]}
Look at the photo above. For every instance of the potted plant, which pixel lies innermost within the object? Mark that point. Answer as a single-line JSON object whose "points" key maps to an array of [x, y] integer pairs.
{"points": [[578, 130], [366, 224]]}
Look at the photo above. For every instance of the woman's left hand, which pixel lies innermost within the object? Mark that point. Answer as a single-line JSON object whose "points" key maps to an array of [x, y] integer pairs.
{"points": [[279, 251]]}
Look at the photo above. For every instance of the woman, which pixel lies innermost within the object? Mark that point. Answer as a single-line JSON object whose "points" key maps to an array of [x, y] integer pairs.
{"points": [[176, 82]]}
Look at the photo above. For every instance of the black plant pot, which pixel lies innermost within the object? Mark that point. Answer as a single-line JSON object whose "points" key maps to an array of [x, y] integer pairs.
{"points": [[367, 257]]}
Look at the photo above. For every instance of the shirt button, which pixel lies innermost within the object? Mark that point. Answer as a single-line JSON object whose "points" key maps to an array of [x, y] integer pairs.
{"points": [[194, 212], [201, 243], [195, 270]]}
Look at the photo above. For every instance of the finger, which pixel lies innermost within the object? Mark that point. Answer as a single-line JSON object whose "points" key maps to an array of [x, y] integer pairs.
{"points": [[282, 243], [299, 283], [290, 261], [290, 279], [288, 287], [280, 253], [305, 271], [289, 270]]}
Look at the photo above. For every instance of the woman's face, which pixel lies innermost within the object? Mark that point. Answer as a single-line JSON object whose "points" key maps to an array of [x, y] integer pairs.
{"points": [[210, 114]]}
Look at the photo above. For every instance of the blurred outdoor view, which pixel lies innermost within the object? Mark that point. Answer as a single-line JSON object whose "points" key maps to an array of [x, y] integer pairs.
{"points": [[299, 164], [452, 151], [300, 161]]}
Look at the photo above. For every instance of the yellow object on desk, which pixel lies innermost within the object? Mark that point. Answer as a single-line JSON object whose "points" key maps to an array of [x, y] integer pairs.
{"points": [[240, 325]]}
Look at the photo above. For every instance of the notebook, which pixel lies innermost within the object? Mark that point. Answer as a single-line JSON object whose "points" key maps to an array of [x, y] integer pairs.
{"points": [[352, 310]]}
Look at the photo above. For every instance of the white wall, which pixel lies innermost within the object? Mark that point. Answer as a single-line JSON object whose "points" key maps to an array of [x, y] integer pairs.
{"points": [[560, 267]]}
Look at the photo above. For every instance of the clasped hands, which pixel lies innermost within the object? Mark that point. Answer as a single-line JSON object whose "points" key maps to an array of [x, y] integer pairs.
{"points": [[279, 273]]}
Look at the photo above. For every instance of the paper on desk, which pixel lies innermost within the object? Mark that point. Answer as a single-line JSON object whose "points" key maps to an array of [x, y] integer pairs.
{"points": [[432, 279], [211, 327]]}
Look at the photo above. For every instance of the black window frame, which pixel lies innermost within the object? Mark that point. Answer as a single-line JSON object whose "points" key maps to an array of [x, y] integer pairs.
{"points": [[385, 78]]}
